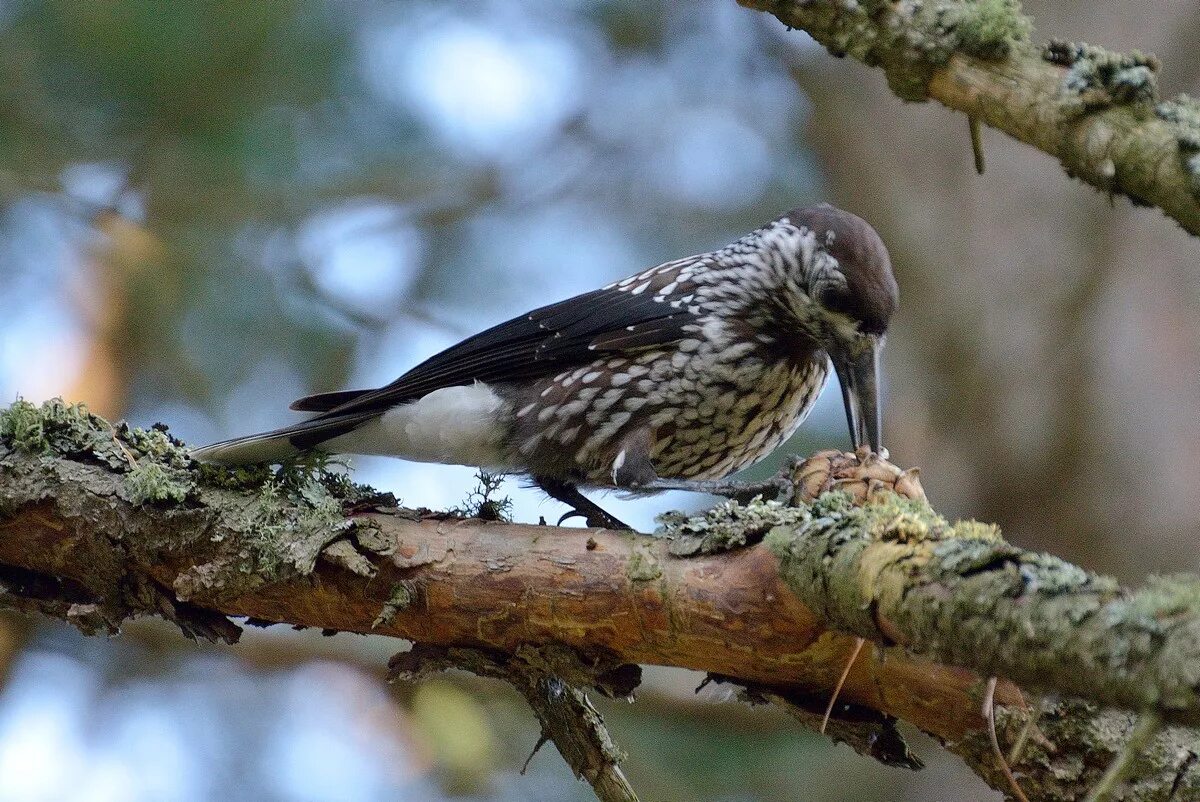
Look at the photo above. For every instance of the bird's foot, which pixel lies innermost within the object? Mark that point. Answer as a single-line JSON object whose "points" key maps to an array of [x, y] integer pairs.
{"points": [[595, 518], [581, 506]]}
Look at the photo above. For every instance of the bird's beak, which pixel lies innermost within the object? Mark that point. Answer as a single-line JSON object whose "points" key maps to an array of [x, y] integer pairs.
{"points": [[858, 372]]}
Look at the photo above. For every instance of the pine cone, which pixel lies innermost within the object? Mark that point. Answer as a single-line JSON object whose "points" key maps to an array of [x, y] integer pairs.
{"points": [[863, 475]]}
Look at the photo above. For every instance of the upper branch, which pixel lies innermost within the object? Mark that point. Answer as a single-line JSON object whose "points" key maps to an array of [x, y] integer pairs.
{"points": [[1096, 111]]}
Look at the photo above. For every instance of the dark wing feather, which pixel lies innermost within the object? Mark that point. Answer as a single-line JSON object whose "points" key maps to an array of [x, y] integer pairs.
{"points": [[323, 402], [641, 335], [543, 342]]}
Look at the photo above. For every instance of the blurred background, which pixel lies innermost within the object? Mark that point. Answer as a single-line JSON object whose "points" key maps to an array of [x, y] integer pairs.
{"points": [[208, 209]]}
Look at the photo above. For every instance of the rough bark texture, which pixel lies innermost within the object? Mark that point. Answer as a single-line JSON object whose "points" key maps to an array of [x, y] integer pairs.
{"points": [[898, 573], [1097, 111], [100, 524]]}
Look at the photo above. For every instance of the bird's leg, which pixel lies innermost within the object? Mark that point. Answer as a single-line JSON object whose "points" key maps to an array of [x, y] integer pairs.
{"points": [[581, 505], [779, 487]]}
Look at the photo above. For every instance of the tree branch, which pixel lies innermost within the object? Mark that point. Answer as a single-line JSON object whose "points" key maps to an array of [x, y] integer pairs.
{"points": [[751, 594], [544, 678], [1096, 111]]}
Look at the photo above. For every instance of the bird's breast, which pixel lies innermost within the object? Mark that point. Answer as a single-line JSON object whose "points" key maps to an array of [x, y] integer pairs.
{"points": [[710, 404], [734, 415]]}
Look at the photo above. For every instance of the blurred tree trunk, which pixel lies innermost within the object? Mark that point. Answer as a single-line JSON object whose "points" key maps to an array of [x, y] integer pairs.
{"points": [[121, 255]]}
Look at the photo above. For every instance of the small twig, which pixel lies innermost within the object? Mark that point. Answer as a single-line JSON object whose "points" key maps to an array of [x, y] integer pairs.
{"points": [[989, 713], [128, 454], [977, 144], [1018, 748], [837, 689], [570, 721], [1147, 727], [566, 715], [543, 739]]}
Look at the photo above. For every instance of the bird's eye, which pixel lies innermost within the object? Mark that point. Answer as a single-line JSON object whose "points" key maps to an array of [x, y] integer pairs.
{"points": [[833, 298]]}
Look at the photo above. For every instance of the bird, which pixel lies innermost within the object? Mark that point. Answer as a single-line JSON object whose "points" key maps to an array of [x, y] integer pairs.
{"points": [[674, 378]]}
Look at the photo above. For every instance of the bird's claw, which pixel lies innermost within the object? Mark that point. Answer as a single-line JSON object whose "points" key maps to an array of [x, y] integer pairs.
{"points": [[566, 516], [595, 519], [581, 506]]}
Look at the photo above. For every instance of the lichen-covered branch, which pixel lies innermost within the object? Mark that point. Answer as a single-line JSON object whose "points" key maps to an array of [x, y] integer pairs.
{"points": [[99, 524], [898, 573], [1097, 112]]}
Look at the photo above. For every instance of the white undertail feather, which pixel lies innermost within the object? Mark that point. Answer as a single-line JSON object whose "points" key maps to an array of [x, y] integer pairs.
{"points": [[454, 425]]}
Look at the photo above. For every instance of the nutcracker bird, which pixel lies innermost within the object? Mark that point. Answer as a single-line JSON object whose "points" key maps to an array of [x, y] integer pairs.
{"points": [[671, 379]]}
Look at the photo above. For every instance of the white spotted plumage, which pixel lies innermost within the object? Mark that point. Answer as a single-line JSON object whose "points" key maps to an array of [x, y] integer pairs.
{"points": [[713, 380], [692, 369]]}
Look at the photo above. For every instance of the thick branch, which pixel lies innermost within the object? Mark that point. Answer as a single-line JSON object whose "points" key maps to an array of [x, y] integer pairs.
{"points": [[98, 525], [897, 573], [1097, 112]]}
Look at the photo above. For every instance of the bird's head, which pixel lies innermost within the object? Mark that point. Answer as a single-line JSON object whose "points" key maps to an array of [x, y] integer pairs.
{"points": [[846, 298]]}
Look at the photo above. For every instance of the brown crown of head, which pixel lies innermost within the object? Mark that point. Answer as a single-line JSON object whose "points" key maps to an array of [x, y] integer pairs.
{"points": [[871, 294]]}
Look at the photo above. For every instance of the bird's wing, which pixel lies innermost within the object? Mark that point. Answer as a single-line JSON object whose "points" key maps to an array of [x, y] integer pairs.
{"points": [[545, 341]]}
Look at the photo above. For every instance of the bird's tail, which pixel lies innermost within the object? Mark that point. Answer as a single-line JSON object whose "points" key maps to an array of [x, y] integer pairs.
{"points": [[280, 445]]}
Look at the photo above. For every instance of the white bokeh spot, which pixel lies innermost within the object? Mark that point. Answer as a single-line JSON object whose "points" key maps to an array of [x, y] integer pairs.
{"points": [[479, 89]]}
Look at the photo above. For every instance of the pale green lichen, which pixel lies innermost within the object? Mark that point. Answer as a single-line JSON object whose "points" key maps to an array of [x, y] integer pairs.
{"points": [[961, 594], [1098, 78], [289, 516], [1072, 746], [727, 526], [911, 41], [58, 428], [289, 523], [819, 557], [153, 483], [894, 518], [642, 566], [988, 29], [1184, 113], [22, 427], [404, 594], [329, 470], [976, 530], [155, 443]]}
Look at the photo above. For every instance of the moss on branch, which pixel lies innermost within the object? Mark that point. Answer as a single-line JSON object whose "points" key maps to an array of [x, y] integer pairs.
{"points": [[908, 41], [281, 519]]}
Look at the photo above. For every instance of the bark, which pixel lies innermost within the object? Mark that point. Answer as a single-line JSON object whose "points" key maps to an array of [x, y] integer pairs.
{"points": [[98, 525], [1096, 111]]}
